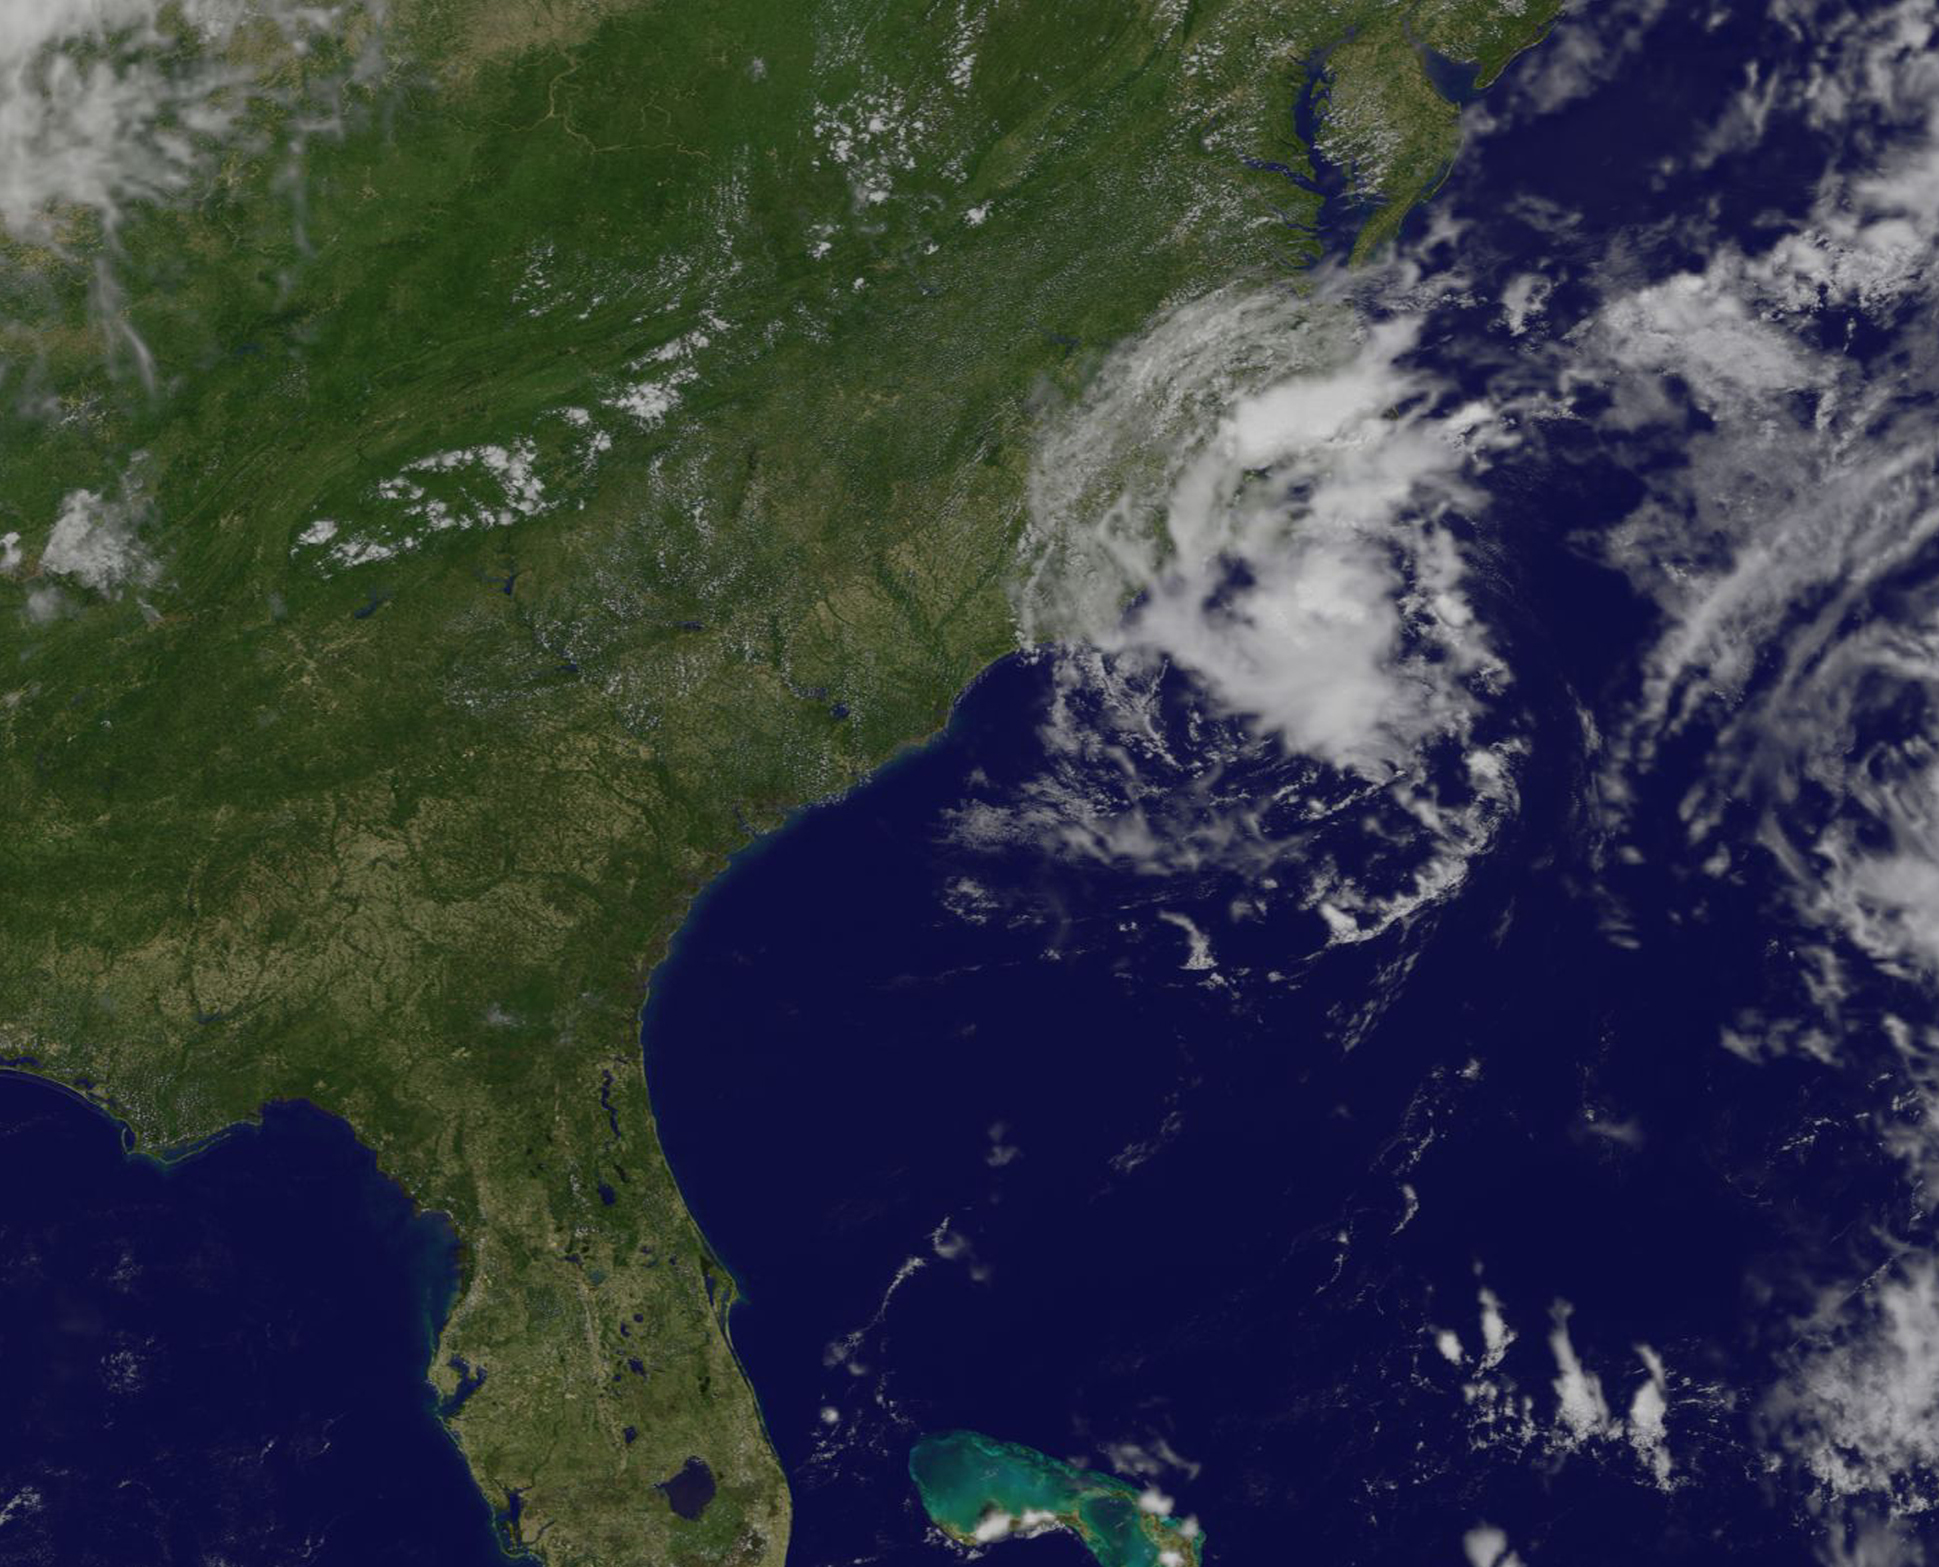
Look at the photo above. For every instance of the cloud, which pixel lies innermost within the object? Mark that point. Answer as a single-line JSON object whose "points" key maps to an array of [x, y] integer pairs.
{"points": [[1871, 235], [484, 486], [1704, 334], [998, 1525], [1486, 1546], [1802, 502], [1260, 554], [1240, 563], [110, 105], [1648, 1417], [1198, 957], [1579, 1416], [1788, 707], [1150, 1459], [1859, 1409], [1581, 55], [94, 543], [1580, 1407]]}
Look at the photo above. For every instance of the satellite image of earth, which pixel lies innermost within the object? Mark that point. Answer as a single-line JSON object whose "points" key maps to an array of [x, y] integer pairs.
{"points": [[1144, 782]]}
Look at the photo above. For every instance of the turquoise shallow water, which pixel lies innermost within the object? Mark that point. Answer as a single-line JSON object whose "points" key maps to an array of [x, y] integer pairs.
{"points": [[966, 1480]]}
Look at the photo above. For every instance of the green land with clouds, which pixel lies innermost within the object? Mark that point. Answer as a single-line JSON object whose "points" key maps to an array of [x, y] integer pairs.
{"points": [[469, 466]]}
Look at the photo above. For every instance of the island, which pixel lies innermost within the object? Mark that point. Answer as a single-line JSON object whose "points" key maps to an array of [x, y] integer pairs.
{"points": [[977, 1489]]}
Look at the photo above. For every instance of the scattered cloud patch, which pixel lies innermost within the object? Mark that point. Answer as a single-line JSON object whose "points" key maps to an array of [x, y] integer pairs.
{"points": [[1859, 1410], [23, 1502], [1577, 1416], [1198, 957], [95, 543], [490, 485], [1486, 1546]]}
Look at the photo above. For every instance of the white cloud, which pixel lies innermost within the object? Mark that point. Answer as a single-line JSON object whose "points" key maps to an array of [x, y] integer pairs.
{"points": [[490, 485], [1578, 1416], [1696, 327], [1648, 1412], [1151, 1458], [107, 105], [94, 542], [1496, 1335], [23, 1502], [1581, 55], [1254, 493], [1524, 300], [1580, 1406], [1002, 1151], [649, 402], [1198, 957], [1804, 495], [994, 1526], [999, 1525], [1871, 237], [1309, 481], [1860, 1408], [1486, 1546]]}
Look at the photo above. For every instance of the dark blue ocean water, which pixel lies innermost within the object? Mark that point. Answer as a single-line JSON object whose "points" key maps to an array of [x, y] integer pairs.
{"points": [[1173, 1208], [985, 1152], [223, 1360]]}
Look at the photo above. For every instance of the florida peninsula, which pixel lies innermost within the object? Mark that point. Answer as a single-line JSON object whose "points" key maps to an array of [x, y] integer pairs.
{"points": [[470, 467]]}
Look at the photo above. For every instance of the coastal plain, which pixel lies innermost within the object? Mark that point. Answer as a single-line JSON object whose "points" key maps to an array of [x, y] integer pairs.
{"points": [[541, 446]]}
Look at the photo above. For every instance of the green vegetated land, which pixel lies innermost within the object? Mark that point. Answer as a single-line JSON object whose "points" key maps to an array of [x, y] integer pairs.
{"points": [[610, 437]]}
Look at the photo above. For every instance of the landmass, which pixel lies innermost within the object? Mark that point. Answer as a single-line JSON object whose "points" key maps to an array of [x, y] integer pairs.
{"points": [[521, 452], [978, 1490]]}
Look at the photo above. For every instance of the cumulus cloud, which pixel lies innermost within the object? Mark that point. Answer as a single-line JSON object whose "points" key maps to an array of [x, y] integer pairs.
{"points": [[1871, 237], [1581, 1410], [1648, 1426], [998, 1525], [1577, 1415], [1149, 1459], [1788, 709], [1486, 1546], [1699, 329], [1859, 1411], [94, 542]]}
